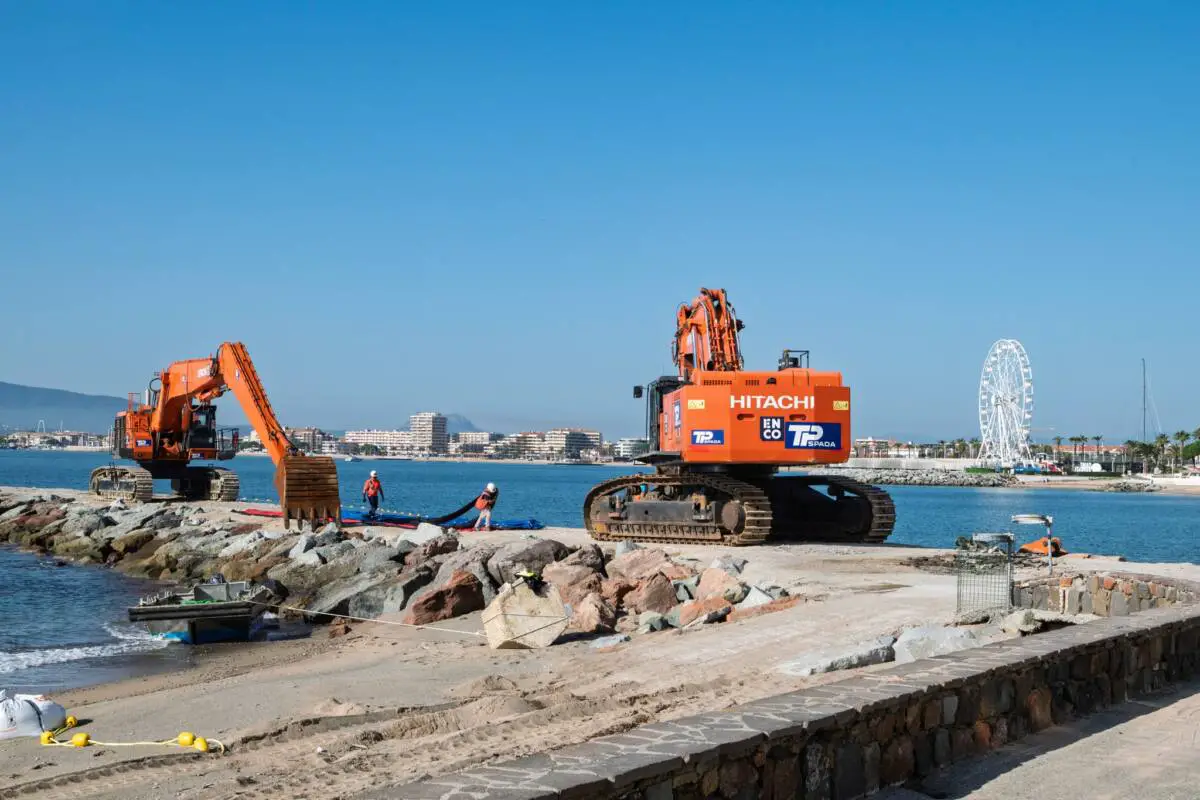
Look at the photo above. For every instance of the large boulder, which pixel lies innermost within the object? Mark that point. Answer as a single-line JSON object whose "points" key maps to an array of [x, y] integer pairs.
{"points": [[473, 560], [914, 644], [593, 615], [302, 546], [390, 594], [423, 533], [574, 581], [437, 546], [132, 542], [590, 556], [330, 535], [716, 607], [654, 594], [520, 617], [638, 565], [83, 521], [716, 582], [516, 556], [461, 595], [614, 591]]}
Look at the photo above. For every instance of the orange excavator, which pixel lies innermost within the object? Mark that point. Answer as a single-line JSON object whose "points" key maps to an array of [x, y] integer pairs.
{"points": [[718, 438], [174, 423]]}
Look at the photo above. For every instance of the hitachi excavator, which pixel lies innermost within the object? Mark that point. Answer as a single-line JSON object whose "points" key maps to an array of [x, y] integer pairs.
{"points": [[174, 423], [718, 438]]}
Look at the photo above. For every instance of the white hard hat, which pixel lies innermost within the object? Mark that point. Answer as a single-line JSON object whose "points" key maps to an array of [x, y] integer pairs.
{"points": [[491, 487], [373, 473]]}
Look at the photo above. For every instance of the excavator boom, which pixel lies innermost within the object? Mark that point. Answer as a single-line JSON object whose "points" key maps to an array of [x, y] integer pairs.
{"points": [[175, 424]]}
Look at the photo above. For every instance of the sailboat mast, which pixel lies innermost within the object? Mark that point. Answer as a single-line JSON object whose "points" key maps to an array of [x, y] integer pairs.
{"points": [[1143, 399]]}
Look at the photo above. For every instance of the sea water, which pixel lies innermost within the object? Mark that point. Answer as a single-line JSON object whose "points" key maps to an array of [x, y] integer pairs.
{"points": [[65, 626]]}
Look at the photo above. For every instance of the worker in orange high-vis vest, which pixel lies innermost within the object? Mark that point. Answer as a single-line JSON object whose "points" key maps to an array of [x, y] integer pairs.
{"points": [[373, 493], [485, 503]]}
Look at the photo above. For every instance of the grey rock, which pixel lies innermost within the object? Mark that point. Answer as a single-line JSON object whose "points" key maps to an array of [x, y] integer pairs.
{"points": [[730, 564], [334, 598], [369, 596], [424, 532], [309, 558], [1118, 605], [590, 556], [83, 524], [240, 544], [609, 641], [949, 709], [875, 651], [652, 621], [673, 617], [776, 592], [754, 598], [1022, 621], [533, 556], [685, 589], [626, 546], [130, 521], [329, 535], [334, 552], [925, 642], [718, 615], [15, 511], [303, 545], [378, 558], [473, 560]]}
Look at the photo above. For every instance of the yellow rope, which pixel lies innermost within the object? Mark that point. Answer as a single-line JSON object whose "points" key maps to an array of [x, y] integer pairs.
{"points": [[185, 739]]}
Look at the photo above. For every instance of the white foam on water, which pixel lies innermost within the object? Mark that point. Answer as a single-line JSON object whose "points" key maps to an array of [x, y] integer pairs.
{"points": [[128, 641]]}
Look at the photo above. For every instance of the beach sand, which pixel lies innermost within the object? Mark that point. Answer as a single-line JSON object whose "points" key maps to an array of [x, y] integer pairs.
{"points": [[385, 704]]}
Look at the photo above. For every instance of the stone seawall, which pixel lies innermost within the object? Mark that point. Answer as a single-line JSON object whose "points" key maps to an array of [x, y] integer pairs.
{"points": [[1115, 594], [849, 739]]}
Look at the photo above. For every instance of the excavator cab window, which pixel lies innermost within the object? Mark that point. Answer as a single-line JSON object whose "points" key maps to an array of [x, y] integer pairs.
{"points": [[202, 434]]}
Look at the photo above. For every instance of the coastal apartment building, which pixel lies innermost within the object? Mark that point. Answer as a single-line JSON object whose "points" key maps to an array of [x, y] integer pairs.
{"points": [[630, 448], [391, 442], [528, 445], [310, 440], [571, 442], [429, 432], [472, 442]]}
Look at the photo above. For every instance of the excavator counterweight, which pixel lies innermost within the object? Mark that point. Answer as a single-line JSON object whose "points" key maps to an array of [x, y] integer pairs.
{"points": [[719, 437], [174, 424]]}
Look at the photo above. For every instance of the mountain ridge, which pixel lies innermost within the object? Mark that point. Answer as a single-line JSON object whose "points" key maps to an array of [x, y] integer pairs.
{"points": [[22, 407]]}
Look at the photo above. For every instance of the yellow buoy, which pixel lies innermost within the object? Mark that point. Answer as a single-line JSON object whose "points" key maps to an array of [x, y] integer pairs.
{"points": [[71, 722], [186, 738], [201, 744], [80, 739], [47, 737]]}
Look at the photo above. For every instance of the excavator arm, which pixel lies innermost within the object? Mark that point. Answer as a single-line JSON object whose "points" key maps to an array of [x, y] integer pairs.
{"points": [[307, 485], [706, 335]]}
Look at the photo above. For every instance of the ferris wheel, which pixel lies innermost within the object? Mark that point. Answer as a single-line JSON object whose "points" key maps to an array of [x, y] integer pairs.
{"points": [[1005, 405]]}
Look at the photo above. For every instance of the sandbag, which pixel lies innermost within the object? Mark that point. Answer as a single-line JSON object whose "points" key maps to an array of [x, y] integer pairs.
{"points": [[28, 715]]}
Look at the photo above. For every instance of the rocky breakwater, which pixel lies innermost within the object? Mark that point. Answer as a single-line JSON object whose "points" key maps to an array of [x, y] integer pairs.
{"points": [[428, 573], [922, 477]]}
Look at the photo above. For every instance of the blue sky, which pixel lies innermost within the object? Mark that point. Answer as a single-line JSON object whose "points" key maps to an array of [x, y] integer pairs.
{"points": [[494, 208]]}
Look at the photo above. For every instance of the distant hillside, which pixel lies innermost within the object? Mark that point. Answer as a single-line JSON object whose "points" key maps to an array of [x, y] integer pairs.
{"points": [[457, 423], [22, 406]]}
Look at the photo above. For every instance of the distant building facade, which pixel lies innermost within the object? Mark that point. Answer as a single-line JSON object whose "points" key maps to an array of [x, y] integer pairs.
{"points": [[630, 448], [570, 443], [429, 432]]}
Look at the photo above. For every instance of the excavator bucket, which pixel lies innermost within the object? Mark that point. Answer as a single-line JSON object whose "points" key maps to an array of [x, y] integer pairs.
{"points": [[308, 490]]}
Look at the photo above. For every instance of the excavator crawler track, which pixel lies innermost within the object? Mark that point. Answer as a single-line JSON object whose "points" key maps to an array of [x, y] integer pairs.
{"points": [[208, 483], [122, 483], [745, 511]]}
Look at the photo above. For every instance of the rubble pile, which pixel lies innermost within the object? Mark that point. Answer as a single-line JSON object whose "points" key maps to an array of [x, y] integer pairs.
{"points": [[428, 573]]}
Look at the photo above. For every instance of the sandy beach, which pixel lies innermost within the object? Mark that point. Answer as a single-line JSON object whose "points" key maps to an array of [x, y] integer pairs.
{"points": [[384, 704]]}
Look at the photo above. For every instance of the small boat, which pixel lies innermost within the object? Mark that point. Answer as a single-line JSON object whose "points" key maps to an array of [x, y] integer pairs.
{"points": [[207, 613], [351, 458]]}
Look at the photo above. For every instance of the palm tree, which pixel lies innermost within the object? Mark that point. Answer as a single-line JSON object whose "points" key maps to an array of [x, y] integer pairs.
{"points": [[1058, 440], [1097, 440], [1181, 440], [1160, 446], [975, 447], [942, 446], [1147, 451]]}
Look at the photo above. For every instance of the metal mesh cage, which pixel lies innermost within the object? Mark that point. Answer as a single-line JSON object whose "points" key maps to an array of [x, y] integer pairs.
{"points": [[983, 567]]}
